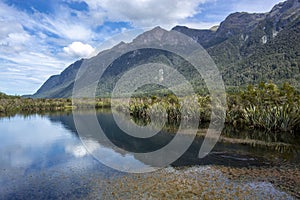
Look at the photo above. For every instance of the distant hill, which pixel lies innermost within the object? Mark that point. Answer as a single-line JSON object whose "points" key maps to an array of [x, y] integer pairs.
{"points": [[5, 96], [247, 48], [2, 95]]}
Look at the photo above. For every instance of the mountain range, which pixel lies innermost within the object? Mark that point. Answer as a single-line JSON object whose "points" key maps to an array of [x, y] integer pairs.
{"points": [[248, 48]]}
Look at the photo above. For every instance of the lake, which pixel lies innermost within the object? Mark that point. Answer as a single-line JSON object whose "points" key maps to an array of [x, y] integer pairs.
{"points": [[42, 156]]}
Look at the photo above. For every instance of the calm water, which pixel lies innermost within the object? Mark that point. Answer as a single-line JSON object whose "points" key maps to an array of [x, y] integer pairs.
{"points": [[43, 157]]}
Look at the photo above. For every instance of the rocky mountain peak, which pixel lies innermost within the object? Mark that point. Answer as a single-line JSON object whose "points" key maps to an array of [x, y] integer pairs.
{"points": [[154, 34], [247, 48], [284, 6], [239, 22]]}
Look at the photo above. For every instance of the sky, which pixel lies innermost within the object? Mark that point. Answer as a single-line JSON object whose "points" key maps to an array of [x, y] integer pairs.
{"points": [[40, 38]]}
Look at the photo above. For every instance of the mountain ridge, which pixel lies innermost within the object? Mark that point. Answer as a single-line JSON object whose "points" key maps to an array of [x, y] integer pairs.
{"points": [[246, 47]]}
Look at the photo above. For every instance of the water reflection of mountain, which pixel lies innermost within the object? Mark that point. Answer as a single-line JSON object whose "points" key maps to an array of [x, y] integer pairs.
{"points": [[223, 153], [65, 119]]}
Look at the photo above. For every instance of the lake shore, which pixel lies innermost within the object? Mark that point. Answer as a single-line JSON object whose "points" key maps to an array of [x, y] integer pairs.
{"points": [[208, 182], [264, 107]]}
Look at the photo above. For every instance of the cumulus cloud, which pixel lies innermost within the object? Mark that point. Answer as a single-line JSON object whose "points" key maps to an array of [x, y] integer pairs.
{"points": [[146, 13], [32, 45], [78, 49]]}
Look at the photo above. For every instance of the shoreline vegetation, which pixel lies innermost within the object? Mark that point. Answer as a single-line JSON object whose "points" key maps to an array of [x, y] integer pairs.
{"points": [[266, 107]]}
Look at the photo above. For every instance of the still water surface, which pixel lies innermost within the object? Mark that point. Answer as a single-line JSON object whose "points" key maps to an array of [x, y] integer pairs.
{"points": [[43, 157]]}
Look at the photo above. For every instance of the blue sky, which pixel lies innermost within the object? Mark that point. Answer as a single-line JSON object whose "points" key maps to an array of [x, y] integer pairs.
{"points": [[40, 38]]}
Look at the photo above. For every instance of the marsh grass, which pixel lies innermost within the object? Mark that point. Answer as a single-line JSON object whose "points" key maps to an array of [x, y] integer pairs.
{"points": [[265, 106]]}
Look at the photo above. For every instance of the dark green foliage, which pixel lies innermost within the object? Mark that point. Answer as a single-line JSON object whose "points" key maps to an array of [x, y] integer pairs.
{"points": [[10, 105], [266, 107]]}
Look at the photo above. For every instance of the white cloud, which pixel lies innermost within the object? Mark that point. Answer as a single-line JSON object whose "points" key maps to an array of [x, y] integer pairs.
{"points": [[146, 13], [255, 6], [30, 52], [78, 49]]}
